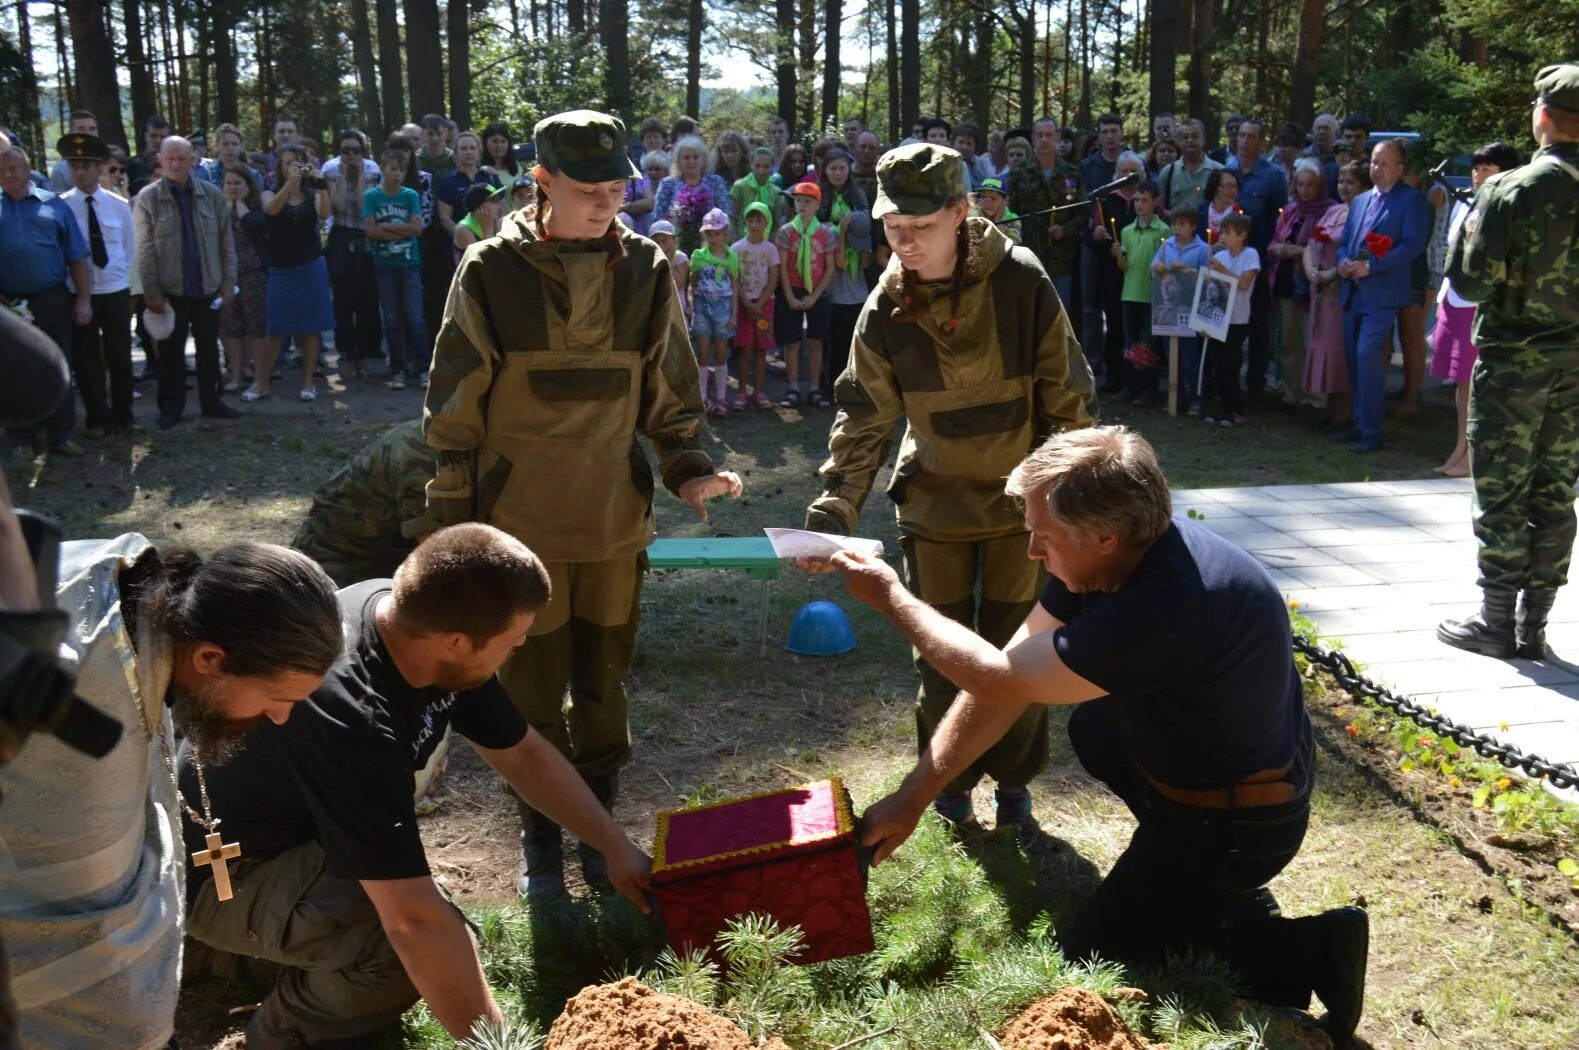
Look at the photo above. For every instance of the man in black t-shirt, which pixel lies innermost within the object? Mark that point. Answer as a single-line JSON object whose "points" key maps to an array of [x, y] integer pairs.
{"points": [[332, 890], [1176, 645]]}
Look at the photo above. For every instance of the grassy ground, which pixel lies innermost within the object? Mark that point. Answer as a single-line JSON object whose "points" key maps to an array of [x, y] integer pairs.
{"points": [[712, 715]]}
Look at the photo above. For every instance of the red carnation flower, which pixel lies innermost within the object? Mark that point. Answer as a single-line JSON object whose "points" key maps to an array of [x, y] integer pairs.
{"points": [[1378, 244]]}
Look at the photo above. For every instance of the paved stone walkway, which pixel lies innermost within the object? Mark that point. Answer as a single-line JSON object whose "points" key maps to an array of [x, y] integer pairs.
{"points": [[1377, 565]]}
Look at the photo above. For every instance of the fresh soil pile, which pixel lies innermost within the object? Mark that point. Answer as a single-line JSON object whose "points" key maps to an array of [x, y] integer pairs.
{"points": [[1071, 1019], [627, 1015]]}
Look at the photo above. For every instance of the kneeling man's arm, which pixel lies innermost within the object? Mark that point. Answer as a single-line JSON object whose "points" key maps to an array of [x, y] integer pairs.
{"points": [[430, 936], [551, 785]]}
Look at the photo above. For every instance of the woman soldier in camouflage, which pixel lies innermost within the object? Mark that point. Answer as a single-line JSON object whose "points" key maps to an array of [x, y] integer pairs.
{"points": [[965, 338], [563, 339]]}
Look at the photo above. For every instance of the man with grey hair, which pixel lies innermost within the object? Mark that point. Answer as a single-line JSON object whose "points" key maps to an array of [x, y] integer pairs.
{"points": [[1175, 645], [186, 259]]}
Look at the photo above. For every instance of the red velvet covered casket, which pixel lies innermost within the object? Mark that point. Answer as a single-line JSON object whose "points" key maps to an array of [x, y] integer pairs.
{"points": [[791, 854]]}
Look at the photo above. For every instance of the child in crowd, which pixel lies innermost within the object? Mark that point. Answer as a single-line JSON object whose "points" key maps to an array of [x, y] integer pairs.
{"points": [[1181, 258], [1137, 246], [756, 187], [663, 233], [992, 204], [810, 254], [1237, 259], [759, 279], [394, 222], [715, 276]]}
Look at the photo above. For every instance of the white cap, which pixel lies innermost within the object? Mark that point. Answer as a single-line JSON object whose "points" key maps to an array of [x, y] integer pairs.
{"points": [[661, 226], [160, 325]]}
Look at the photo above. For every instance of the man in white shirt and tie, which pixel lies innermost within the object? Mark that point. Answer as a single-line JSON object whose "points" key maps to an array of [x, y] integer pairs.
{"points": [[103, 347]]}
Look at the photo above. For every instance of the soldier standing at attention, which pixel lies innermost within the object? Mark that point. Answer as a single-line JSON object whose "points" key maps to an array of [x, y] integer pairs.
{"points": [[562, 340], [1517, 257], [967, 340]]}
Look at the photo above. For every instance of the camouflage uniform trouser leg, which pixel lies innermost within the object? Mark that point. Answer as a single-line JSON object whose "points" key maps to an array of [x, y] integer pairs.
{"points": [[584, 638], [949, 577], [1524, 452]]}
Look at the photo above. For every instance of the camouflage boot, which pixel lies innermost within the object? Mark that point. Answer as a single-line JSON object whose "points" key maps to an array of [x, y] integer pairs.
{"points": [[1488, 632], [594, 868], [1529, 628], [543, 855]]}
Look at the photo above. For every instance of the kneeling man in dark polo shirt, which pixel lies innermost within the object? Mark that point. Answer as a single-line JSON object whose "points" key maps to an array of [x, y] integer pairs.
{"points": [[332, 896], [1176, 645]]}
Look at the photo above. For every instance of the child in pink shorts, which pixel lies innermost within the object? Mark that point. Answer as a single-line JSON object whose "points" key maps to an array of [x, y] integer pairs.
{"points": [[759, 276]]}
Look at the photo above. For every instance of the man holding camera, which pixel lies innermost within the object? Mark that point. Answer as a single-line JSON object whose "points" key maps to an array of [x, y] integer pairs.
{"points": [[186, 259]]}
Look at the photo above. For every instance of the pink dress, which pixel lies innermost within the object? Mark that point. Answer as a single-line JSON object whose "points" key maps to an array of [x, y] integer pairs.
{"points": [[1326, 371], [1453, 354]]}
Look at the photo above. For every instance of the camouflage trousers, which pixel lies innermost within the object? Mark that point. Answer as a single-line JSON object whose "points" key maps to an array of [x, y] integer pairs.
{"points": [[989, 586], [583, 639], [1524, 456]]}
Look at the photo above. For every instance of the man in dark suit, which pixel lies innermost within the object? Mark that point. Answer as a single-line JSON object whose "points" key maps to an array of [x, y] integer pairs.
{"points": [[1377, 283]]}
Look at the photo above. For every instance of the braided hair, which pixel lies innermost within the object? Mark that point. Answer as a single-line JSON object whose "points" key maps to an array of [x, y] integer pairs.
{"points": [[540, 209], [911, 307]]}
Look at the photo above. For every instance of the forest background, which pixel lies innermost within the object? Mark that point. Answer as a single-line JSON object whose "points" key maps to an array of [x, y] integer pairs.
{"points": [[1457, 71]]}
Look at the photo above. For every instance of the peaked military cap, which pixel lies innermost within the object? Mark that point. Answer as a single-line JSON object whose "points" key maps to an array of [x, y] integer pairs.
{"points": [[918, 179], [584, 145], [78, 146], [1558, 86]]}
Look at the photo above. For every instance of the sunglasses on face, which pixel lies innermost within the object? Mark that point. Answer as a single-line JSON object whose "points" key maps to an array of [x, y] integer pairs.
{"points": [[115, 170], [350, 149]]}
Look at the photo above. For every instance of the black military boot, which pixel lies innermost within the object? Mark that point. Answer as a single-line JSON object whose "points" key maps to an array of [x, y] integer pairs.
{"points": [[594, 868], [543, 852], [1529, 628], [1488, 632]]}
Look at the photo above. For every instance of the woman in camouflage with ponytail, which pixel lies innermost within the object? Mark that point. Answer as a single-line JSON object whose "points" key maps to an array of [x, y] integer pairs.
{"points": [[965, 338]]}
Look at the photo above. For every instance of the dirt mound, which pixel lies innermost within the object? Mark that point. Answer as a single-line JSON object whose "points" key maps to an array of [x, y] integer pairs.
{"points": [[627, 1015], [1071, 1019]]}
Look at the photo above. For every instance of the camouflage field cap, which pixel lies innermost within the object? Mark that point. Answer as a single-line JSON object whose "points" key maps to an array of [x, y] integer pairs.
{"points": [[918, 179], [1558, 86], [584, 145]]}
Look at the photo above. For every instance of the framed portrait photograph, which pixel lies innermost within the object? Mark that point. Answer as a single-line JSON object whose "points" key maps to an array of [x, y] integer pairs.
{"points": [[1172, 299], [1214, 303]]}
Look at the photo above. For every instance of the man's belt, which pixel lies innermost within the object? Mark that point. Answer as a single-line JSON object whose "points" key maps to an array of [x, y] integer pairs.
{"points": [[1270, 787]]}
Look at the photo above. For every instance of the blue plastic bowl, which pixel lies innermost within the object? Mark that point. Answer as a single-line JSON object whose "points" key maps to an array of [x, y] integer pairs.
{"points": [[820, 629]]}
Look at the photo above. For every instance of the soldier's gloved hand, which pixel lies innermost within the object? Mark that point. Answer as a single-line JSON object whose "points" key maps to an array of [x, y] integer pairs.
{"points": [[819, 520]]}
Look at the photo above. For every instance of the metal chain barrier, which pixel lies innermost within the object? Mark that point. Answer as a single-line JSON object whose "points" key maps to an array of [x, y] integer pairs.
{"points": [[1337, 664]]}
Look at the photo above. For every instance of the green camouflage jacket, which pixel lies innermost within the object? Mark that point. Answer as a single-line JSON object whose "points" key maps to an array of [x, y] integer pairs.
{"points": [[974, 403], [367, 517], [547, 366], [1030, 192], [1517, 254]]}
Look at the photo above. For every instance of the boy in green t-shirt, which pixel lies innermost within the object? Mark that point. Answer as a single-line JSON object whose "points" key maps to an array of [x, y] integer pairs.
{"points": [[394, 222], [1137, 246]]}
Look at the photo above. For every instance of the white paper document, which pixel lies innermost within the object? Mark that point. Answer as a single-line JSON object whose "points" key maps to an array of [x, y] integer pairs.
{"points": [[798, 543]]}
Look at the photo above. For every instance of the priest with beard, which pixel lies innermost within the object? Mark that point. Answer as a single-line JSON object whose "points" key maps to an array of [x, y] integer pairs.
{"points": [[91, 881]]}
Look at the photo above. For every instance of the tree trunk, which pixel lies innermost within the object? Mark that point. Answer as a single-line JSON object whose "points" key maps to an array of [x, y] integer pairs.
{"points": [[694, 20], [909, 65], [1083, 111], [981, 80], [806, 31], [205, 46], [65, 98], [30, 118], [141, 77], [576, 16], [426, 57], [832, 68], [390, 86], [1200, 70], [1307, 52], [167, 66], [1118, 55], [892, 29], [96, 86], [265, 74], [784, 15], [614, 26], [1263, 30], [1025, 31], [1164, 57], [368, 109], [183, 82], [458, 14], [226, 90]]}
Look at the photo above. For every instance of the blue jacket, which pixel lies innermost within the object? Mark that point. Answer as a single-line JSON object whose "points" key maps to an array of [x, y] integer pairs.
{"points": [[1405, 216]]}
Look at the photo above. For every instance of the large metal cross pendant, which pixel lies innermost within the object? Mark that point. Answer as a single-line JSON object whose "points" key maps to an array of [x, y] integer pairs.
{"points": [[217, 853]]}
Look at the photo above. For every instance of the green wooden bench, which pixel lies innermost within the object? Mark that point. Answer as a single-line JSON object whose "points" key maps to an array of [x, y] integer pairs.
{"points": [[751, 553]]}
